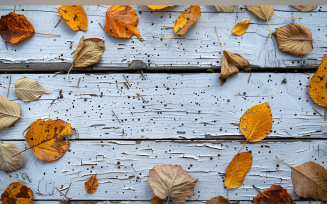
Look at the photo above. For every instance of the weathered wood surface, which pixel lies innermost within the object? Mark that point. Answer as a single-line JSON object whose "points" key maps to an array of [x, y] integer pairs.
{"points": [[198, 49], [205, 160], [147, 202], [179, 105]]}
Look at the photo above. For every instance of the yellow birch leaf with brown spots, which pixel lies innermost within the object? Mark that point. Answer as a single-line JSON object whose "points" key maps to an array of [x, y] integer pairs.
{"points": [[241, 27], [237, 169], [74, 16], [318, 84], [158, 7], [17, 193], [92, 184], [256, 122]]}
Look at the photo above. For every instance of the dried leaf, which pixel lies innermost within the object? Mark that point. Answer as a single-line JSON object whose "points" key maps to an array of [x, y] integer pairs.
{"points": [[155, 200], [309, 180], [227, 67], [187, 19], [218, 200], [10, 159], [276, 194], [92, 184], [65, 202], [241, 27], [74, 16], [305, 8], [172, 182], [17, 193], [29, 89], [264, 12], [88, 52], [256, 122], [15, 28], [317, 88], [225, 8], [158, 7], [121, 22], [9, 112], [294, 39], [237, 169], [48, 138]]}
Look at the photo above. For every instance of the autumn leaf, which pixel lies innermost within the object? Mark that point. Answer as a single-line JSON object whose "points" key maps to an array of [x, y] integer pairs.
{"points": [[317, 88], [92, 184], [158, 7], [121, 22], [225, 8], [275, 194], [305, 8], [9, 112], [155, 200], [10, 159], [264, 12], [74, 16], [171, 182], [17, 193], [237, 169], [241, 27], [48, 138], [294, 39], [220, 200]]}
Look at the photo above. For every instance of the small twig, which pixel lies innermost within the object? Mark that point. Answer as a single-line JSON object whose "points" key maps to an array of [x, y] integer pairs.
{"points": [[62, 193], [249, 78], [138, 95], [123, 132], [126, 85], [126, 80], [284, 162], [56, 73], [142, 74], [77, 86], [260, 191], [116, 116], [68, 188], [57, 23], [221, 42], [101, 25], [317, 111], [9, 86]]}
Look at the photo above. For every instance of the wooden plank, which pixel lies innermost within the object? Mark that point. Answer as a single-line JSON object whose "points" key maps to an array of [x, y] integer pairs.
{"points": [[122, 167], [146, 202], [198, 49], [179, 105]]}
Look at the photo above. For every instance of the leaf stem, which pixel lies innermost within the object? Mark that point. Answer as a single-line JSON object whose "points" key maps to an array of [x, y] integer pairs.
{"points": [[47, 34], [267, 19], [242, 147], [221, 42], [319, 40], [260, 191], [285, 17], [69, 71], [284, 162], [168, 200], [317, 111], [169, 37]]}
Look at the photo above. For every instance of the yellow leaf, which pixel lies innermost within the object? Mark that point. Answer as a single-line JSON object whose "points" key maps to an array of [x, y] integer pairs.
{"points": [[318, 88], [92, 184], [241, 27], [74, 16], [256, 122], [158, 7], [17, 193]]}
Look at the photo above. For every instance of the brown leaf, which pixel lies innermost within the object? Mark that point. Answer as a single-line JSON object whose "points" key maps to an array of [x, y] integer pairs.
{"points": [[218, 200], [227, 67], [155, 200], [92, 184], [276, 194], [17, 193], [9, 112], [305, 8], [172, 182], [294, 39], [264, 12], [225, 8], [10, 158], [65, 202], [74, 16]]}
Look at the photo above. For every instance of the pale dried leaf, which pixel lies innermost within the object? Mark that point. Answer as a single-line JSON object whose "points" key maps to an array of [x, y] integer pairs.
{"points": [[294, 39], [218, 200], [172, 182], [65, 202], [9, 112], [264, 12], [225, 8], [29, 89], [305, 8], [10, 159]]}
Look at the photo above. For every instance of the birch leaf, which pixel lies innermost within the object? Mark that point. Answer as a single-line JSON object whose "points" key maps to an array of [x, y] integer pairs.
{"points": [[225, 8], [74, 16], [172, 182], [317, 88], [218, 200], [305, 8], [264, 12], [17, 193], [9, 112], [29, 89], [241, 27], [92, 184], [10, 158], [158, 7]]}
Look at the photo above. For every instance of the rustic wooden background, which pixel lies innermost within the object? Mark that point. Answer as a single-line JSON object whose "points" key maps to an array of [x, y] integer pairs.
{"points": [[189, 120]]}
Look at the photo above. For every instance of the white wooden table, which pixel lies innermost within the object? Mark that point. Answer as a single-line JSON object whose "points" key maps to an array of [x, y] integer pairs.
{"points": [[189, 120]]}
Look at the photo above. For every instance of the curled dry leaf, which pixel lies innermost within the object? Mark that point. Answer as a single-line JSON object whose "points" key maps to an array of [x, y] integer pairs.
{"points": [[237, 169], [10, 159], [225, 8], [155, 200], [305, 8], [218, 200], [276, 194], [121, 22], [256, 122], [241, 27], [9, 112], [29, 89], [92, 184], [88, 52], [294, 39], [65, 202], [49, 139], [158, 7], [317, 88], [15, 28], [227, 67], [74, 16], [171, 182], [17, 193], [264, 12]]}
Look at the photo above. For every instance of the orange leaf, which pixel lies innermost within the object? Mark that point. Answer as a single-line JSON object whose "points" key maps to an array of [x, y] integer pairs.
{"points": [[256, 122], [48, 138], [92, 184], [237, 169], [318, 88], [121, 22], [17, 193], [241, 27], [74, 16], [275, 194], [15, 28], [155, 200], [158, 7], [187, 19]]}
